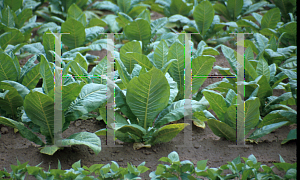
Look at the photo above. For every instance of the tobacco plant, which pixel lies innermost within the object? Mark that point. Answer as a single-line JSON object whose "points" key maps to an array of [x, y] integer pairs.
{"points": [[145, 104]]}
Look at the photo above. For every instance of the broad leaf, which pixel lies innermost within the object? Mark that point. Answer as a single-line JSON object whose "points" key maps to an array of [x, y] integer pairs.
{"points": [[40, 109], [84, 138], [122, 104], [127, 59], [217, 102], [271, 18], [234, 8], [230, 55], [180, 7], [176, 70], [202, 65], [11, 37], [266, 130], [47, 75], [26, 133], [76, 37], [262, 68], [160, 54], [75, 12], [8, 70], [139, 30], [10, 99], [176, 111], [31, 78], [147, 95], [203, 15], [292, 135], [167, 133], [141, 59], [48, 43], [221, 129], [91, 97], [124, 5]]}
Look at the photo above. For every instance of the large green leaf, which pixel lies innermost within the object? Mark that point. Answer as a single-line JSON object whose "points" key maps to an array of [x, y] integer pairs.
{"points": [[160, 54], [11, 37], [26, 133], [8, 17], [278, 116], [230, 55], [84, 138], [46, 73], [14, 4], [221, 129], [166, 133], [112, 23], [262, 68], [8, 70], [10, 99], [204, 16], [48, 43], [147, 95], [176, 111], [222, 10], [217, 102], [180, 7], [142, 59], [130, 128], [23, 17], [98, 70], [176, 70], [128, 61], [75, 12], [105, 5], [124, 5], [271, 18], [91, 97], [32, 77], [22, 90], [285, 7], [292, 135], [234, 8], [122, 104], [264, 88], [40, 109], [69, 93], [76, 71], [81, 61], [139, 30], [251, 113], [124, 75], [266, 130], [157, 24], [76, 37], [123, 19], [202, 65], [261, 42]]}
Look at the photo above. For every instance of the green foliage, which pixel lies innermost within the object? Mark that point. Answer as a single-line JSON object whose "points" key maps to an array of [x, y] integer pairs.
{"points": [[251, 168]]}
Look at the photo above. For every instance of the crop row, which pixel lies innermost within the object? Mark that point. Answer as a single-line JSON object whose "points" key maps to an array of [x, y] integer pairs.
{"points": [[149, 72]]}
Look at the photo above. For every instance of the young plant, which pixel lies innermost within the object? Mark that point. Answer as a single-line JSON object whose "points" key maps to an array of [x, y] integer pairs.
{"points": [[78, 99], [16, 24], [146, 107], [105, 172]]}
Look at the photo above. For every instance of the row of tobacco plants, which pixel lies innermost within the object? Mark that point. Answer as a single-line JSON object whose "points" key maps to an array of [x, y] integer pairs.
{"points": [[149, 68], [251, 169]]}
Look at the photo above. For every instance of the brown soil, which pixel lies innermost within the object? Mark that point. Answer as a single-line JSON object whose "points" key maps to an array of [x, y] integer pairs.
{"points": [[205, 145]]}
